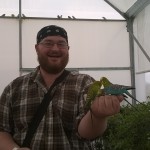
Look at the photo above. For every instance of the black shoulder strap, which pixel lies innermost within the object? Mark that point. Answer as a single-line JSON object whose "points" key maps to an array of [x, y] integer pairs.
{"points": [[41, 110]]}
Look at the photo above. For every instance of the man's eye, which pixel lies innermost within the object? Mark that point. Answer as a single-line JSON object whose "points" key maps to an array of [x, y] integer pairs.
{"points": [[49, 44], [60, 44]]}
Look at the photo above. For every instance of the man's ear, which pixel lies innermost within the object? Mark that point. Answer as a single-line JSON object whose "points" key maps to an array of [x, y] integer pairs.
{"points": [[68, 48], [36, 47]]}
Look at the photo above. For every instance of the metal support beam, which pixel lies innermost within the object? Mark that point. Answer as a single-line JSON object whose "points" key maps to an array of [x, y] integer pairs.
{"points": [[86, 69], [20, 36], [132, 64], [136, 8], [119, 11], [138, 43]]}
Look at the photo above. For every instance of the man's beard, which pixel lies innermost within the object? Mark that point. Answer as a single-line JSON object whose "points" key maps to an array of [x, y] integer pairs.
{"points": [[53, 68]]}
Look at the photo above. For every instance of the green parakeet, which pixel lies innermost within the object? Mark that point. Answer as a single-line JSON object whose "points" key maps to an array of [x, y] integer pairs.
{"points": [[93, 91]]}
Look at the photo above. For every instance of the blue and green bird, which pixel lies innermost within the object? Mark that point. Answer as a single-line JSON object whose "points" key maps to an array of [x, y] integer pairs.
{"points": [[116, 89], [105, 87]]}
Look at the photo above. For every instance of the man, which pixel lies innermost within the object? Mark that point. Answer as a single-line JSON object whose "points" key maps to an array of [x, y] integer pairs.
{"points": [[65, 125]]}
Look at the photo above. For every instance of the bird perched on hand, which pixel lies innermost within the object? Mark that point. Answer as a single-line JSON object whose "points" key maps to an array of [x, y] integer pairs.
{"points": [[109, 88], [116, 89], [105, 87], [93, 92]]}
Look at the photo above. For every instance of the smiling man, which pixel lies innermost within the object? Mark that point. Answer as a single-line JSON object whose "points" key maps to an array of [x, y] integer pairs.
{"points": [[66, 124], [52, 50]]}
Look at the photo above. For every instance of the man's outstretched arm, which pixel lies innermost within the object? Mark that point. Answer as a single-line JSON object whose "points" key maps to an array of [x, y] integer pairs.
{"points": [[101, 108]]}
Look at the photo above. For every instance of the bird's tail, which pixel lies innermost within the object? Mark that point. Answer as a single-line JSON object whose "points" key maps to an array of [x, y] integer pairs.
{"points": [[131, 104], [127, 93]]}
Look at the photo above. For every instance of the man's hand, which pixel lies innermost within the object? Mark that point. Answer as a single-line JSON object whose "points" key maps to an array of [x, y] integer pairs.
{"points": [[105, 106]]}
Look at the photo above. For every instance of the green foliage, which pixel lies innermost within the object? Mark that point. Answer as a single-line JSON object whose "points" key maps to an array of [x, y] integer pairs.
{"points": [[128, 130]]}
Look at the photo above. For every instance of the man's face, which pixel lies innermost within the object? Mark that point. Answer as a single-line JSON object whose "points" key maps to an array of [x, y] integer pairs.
{"points": [[53, 54]]}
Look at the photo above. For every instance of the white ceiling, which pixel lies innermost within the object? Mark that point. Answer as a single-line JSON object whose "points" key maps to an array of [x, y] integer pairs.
{"points": [[83, 9]]}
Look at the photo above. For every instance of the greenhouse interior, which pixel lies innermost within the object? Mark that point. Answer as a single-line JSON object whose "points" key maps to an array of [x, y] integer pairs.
{"points": [[106, 38]]}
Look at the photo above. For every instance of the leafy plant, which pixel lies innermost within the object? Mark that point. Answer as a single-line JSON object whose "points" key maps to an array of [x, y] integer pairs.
{"points": [[128, 130]]}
